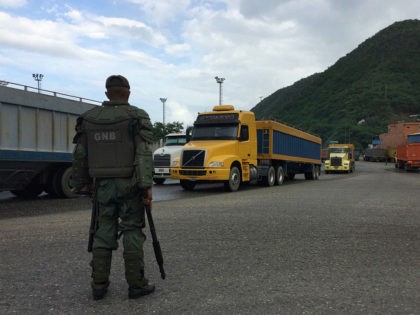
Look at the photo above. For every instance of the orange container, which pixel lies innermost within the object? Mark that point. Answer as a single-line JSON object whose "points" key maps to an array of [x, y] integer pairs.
{"points": [[397, 134], [408, 155]]}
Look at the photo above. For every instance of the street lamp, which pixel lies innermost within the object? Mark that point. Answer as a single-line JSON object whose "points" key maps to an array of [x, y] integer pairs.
{"points": [[38, 77], [163, 100], [220, 82]]}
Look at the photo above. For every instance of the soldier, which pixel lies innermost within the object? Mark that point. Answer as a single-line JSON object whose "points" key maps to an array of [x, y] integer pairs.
{"points": [[113, 159]]}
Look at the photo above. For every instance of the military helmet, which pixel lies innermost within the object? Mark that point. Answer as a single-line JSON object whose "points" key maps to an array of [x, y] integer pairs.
{"points": [[117, 81]]}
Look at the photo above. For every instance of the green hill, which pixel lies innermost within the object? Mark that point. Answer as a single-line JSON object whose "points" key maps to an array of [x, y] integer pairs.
{"points": [[376, 84]]}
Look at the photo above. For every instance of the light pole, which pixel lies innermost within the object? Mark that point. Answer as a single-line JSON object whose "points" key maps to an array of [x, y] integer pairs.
{"points": [[163, 100], [38, 77], [220, 82]]}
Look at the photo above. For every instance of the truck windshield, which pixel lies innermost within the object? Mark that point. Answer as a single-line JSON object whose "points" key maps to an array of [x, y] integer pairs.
{"points": [[215, 132], [415, 138], [338, 150], [181, 140]]}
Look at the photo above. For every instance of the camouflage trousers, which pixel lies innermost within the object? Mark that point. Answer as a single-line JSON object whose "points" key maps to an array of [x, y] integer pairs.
{"points": [[120, 210]]}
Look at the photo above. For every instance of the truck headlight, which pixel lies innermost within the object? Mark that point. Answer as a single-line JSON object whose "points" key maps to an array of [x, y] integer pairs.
{"points": [[216, 164], [175, 163]]}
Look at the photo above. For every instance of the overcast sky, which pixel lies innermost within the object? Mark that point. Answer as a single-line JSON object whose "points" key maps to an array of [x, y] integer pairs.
{"points": [[175, 48]]}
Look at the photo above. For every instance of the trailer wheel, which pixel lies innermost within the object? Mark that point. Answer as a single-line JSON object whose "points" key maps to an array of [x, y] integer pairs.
{"points": [[32, 190], [279, 175], [187, 184], [49, 185], [270, 179], [159, 181], [234, 179], [316, 172], [312, 174], [61, 182]]}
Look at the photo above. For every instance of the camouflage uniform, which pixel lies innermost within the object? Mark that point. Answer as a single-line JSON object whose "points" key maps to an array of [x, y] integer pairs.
{"points": [[113, 152]]}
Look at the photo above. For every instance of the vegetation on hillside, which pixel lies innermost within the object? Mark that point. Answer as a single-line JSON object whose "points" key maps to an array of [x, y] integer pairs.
{"points": [[355, 99]]}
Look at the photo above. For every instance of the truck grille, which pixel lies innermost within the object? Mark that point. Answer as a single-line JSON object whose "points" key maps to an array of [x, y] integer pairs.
{"points": [[336, 161], [193, 158], [162, 160], [192, 172]]}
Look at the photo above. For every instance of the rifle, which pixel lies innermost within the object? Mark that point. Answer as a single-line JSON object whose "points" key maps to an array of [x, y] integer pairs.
{"points": [[93, 219], [156, 245]]}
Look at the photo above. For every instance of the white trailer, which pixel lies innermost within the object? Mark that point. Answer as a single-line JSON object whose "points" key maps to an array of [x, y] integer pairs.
{"points": [[36, 134]]}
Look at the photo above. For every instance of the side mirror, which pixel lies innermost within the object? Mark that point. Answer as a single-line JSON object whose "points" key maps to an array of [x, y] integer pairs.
{"points": [[188, 134]]}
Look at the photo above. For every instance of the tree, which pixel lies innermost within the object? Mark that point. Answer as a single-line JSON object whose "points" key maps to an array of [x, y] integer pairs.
{"points": [[160, 130]]}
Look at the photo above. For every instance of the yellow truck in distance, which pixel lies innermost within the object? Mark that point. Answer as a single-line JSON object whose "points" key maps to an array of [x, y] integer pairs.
{"points": [[340, 158], [230, 146]]}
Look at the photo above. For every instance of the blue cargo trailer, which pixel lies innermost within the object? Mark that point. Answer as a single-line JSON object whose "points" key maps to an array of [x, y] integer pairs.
{"points": [[294, 150], [36, 133]]}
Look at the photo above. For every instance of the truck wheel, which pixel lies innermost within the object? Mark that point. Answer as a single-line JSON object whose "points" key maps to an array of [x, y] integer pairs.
{"points": [[271, 177], [312, 174], [49, 186], [316, 172], [61, 182], [234, 179], [159, 181], [31, 191], [279, 175], [187, 184]]}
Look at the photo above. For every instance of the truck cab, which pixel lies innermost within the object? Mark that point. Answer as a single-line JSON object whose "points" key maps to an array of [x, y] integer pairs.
{"points": [[408, 155], [340, 158], [163, 156]]}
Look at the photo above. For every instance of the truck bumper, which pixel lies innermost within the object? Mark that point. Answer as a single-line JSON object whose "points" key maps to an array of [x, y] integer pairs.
{"points": [[201, 174], [161, 172], [414, 164], [337, 168]]}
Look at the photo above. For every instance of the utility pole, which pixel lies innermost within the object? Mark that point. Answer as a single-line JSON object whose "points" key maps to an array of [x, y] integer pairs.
{"points": [[220, 82], [38, 77], [163, 100]]}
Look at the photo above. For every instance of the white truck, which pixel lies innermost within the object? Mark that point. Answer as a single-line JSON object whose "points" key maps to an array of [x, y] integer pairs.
{"points": [[163, 156], [36, 133]]}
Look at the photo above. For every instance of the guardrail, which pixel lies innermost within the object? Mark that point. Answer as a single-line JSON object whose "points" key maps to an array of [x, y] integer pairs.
{"points": [[47, 92]]}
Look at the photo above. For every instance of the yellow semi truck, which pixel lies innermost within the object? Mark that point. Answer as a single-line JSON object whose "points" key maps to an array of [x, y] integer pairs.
{"points": [[230, 146], [340, 158]]}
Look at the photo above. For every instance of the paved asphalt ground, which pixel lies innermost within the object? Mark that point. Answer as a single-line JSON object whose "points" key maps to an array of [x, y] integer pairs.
{"points": [[346, 244]]}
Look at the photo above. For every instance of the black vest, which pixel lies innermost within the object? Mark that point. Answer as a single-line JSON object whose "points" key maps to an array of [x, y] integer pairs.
{"points": [[111, 147]]}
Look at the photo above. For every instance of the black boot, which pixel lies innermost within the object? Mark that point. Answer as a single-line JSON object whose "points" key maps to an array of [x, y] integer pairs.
{"points": [[138, 285], [134, 293], [99, 290], [101, 268]]}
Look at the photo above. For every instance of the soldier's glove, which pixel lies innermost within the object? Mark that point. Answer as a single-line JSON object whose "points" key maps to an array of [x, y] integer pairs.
{"points": [[146, 196]]}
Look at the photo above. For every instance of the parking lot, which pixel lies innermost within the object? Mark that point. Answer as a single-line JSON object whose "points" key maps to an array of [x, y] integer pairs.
{"points": [[347, 243]]}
